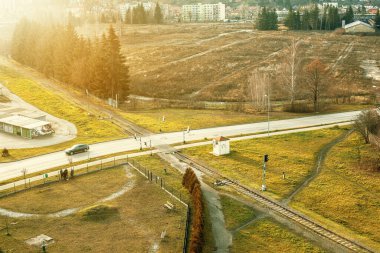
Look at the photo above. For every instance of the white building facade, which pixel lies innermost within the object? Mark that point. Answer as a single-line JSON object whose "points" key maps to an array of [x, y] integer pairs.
{"points": [[203, 12], [221, 146]]}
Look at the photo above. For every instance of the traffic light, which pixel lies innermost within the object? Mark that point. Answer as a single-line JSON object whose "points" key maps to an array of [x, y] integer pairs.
{"points": [[266, 158]]}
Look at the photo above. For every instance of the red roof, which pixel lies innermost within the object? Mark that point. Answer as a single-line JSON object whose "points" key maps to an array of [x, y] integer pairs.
{"points": [[221, 138]]}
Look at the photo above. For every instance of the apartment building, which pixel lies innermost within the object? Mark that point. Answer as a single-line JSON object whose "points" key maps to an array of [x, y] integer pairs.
{"points": [[203, 12]]}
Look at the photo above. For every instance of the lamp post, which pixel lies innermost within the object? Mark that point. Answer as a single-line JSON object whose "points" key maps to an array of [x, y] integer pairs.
{"points": [[268, 109], [184, 141]]}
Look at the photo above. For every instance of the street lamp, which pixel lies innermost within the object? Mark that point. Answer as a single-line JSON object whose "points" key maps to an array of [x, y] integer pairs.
{"points": [[184, 141], [268, 109]]}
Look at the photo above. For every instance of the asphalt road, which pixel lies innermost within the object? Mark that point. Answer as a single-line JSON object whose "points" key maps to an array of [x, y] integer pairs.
{"points": [[43, 162]]}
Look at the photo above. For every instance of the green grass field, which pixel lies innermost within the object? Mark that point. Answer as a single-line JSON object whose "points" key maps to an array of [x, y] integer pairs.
{"points": [[266, 235], [263, 234], [293, 154], [132, 222], [346, 194], [90, 128]]}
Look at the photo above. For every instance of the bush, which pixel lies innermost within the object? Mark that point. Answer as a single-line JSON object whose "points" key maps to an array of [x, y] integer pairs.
{"points": [[192, 184], [298, 107], [5, 153]]}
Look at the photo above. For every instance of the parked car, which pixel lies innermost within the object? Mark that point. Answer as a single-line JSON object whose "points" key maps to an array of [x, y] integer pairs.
{"points": [[78, 148]]}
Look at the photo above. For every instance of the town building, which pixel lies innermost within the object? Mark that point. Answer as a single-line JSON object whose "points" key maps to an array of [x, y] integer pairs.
{"points": [[203, 12], [25, 127]]}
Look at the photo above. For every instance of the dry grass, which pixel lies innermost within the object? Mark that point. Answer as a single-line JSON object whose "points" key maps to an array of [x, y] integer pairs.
{"points": [[172, 177], [221, 72], [80, 191], [346, 195], [180, 119], [293, 154], [135, 225]]}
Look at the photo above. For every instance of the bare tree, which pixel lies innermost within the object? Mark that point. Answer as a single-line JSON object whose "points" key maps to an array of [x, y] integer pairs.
{"points": [[316, 84], [290, 68], [259, 88], [367, 122]]}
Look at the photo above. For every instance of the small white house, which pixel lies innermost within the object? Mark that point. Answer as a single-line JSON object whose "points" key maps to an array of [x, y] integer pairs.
{"points": [[221, 146]]}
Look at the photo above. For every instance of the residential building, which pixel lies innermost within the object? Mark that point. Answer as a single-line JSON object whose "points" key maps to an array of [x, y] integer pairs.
{"points": [[203, 12]]}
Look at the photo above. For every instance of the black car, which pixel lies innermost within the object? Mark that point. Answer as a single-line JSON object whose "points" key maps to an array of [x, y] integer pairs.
{"points": [[79, 148]]}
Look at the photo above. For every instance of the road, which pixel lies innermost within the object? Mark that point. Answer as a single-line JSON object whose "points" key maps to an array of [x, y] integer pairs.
{"points": [[43, 162]]}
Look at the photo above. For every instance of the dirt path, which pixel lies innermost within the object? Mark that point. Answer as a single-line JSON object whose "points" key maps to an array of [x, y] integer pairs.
{"points": [[321, 156], [222, 237]]}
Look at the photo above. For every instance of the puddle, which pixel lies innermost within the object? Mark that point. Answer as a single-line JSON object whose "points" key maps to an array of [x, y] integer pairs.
{"points": [[371, 69]]}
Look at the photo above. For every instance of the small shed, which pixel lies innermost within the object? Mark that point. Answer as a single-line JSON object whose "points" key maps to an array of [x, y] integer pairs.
{"points": [[221, 146], [25, 127], [359, 27]]}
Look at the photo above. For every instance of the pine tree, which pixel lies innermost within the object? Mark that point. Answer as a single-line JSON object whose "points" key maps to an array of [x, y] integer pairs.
{"points": [[314, 16], [305, 24], [117, 71], [377, 19], [158, 14], [349, 16]]}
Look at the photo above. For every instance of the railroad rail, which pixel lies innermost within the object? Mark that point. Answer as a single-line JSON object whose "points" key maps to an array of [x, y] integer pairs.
{"points": [[285, 211]]}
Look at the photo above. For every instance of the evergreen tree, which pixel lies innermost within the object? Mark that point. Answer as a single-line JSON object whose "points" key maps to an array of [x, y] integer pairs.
{"points": [[267, 20], [158, 14], [289, 20], [314, 16], [349, 16], [305, 24], [117, 72], [377, 19]]}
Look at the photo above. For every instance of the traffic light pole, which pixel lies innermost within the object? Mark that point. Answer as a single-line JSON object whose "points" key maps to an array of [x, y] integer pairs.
{"points": [[265, 160]]}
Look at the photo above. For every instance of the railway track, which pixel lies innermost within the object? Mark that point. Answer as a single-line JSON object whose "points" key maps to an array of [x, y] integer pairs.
{"points": [[285, 211]]}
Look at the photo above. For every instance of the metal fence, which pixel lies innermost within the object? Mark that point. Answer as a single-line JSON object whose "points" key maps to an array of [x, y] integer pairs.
{"points": [[170, 190]]}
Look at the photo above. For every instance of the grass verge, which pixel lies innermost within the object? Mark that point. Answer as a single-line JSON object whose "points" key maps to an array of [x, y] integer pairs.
{"points": [[293, 154], [346, 193]]}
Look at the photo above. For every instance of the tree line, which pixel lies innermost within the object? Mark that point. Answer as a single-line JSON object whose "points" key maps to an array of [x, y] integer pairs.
{"points": [[96, 66], [139, 15], [192, 184], [310, 20]]}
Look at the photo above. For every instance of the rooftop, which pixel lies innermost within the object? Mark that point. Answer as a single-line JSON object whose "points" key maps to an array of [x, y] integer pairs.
{"points": [[24, 122]]}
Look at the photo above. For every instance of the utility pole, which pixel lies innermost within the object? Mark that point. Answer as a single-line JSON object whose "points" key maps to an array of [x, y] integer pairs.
{"points": [[268, 109], [263, 186]]}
